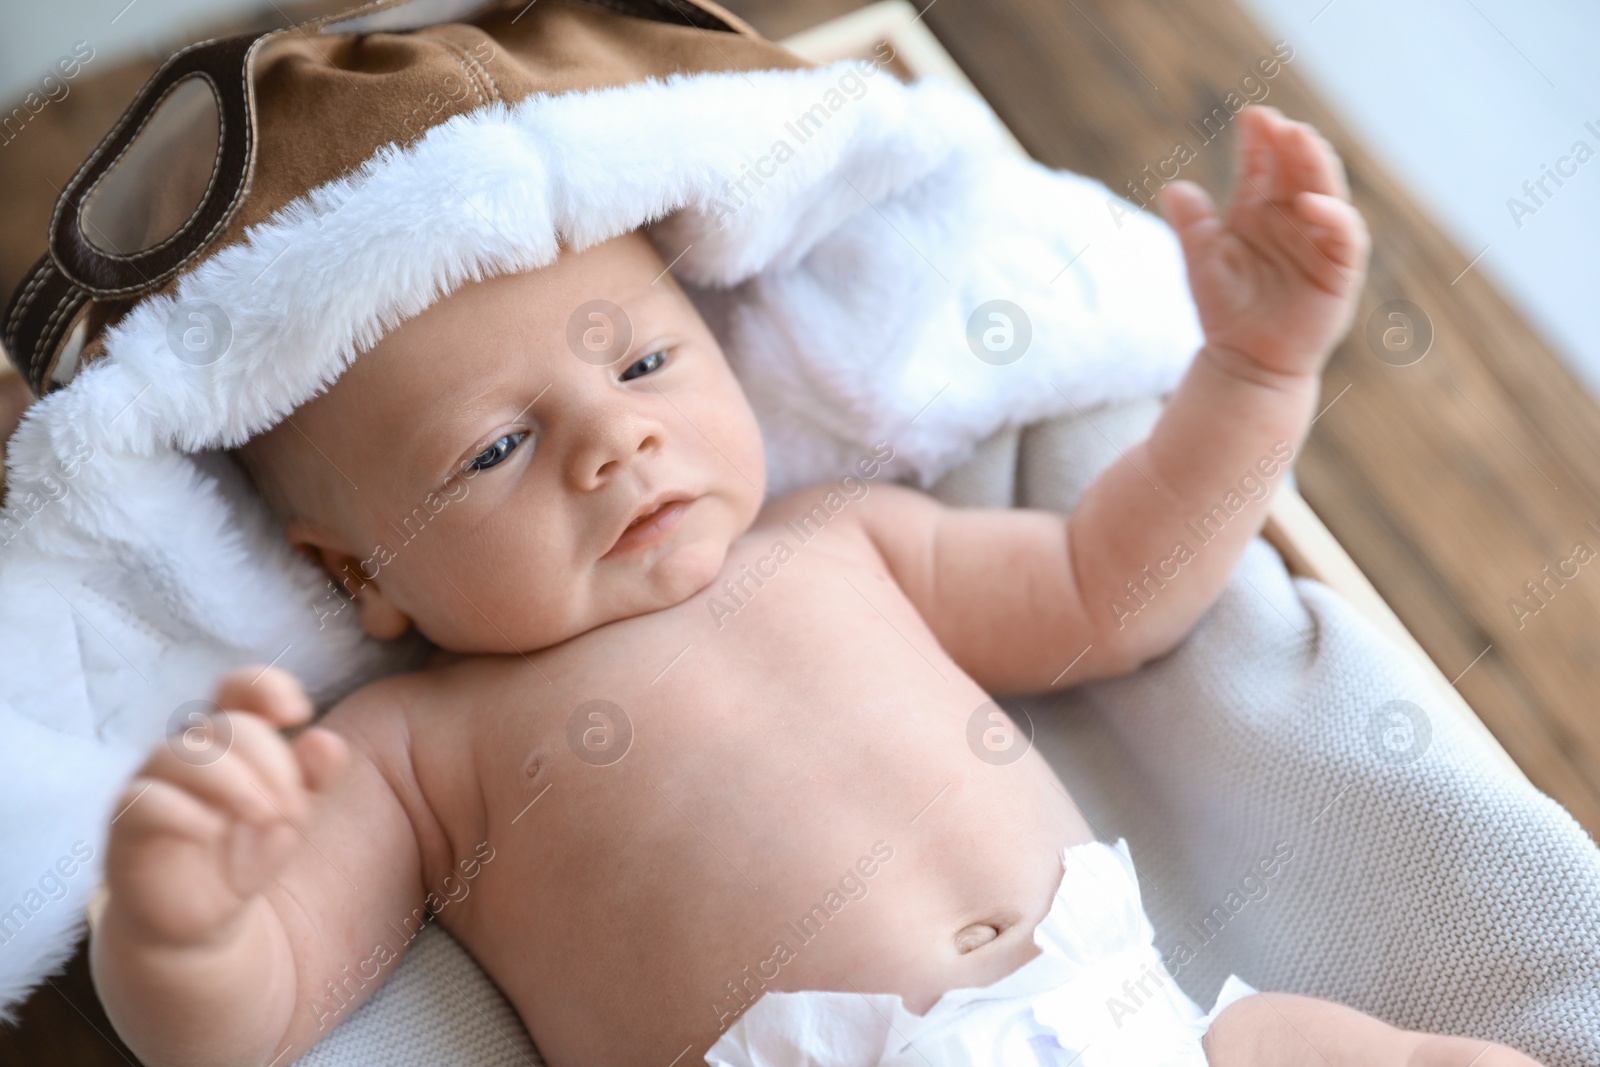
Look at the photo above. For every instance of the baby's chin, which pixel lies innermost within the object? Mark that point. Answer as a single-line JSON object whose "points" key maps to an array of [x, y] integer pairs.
{"points": [[634, 587], [664, 577], [631, 588]]}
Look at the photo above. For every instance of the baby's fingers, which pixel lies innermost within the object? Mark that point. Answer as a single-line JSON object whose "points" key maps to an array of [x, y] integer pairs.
{"points": [[1184, 204], [233, 775], [163, 845], [1189, 211], [1335, 227], [152, 807], [323, 756], [1304, 250], [179, 868], [1309, 162], [274, 694]]}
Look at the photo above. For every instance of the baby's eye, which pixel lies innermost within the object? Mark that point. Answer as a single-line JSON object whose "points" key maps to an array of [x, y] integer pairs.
{"points": [[496, 452], [645, 365]]}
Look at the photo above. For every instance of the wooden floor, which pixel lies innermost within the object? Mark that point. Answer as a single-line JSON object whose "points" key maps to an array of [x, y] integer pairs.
{"points": [[1452, 481]]}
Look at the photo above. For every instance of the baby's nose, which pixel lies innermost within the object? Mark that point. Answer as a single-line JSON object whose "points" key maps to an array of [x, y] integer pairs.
{"points": [[609, 467], [613, 442]]}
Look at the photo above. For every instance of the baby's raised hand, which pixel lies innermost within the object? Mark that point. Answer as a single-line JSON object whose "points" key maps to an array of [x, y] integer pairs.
{"points": [[1276, 278], [201, 831]]}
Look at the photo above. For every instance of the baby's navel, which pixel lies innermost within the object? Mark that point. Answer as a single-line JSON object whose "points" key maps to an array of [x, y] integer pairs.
{"points": [[975, 935]]}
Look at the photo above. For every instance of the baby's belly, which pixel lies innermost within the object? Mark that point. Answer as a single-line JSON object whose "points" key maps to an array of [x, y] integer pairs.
{"points": [[799, 807]]}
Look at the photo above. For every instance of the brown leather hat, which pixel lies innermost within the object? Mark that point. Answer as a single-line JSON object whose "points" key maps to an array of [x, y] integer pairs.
{"points": [[229, 132]]}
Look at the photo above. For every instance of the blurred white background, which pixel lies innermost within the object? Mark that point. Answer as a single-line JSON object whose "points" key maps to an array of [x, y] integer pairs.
{"points": [[36, 34], [1464, 99]]}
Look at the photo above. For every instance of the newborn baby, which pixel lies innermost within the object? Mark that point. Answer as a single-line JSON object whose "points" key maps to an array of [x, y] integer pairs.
{"points": [[665, 718]]}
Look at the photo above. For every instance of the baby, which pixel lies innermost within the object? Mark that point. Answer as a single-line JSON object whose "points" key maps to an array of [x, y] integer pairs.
{"points": [[617, 791]]}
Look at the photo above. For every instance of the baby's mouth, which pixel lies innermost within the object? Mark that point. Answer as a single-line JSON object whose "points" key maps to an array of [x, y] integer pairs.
{"points": [[650, 527]]}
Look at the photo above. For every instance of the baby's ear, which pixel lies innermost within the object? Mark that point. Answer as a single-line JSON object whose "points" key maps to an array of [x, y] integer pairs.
{"points": [[324, 551], [380, 618]]}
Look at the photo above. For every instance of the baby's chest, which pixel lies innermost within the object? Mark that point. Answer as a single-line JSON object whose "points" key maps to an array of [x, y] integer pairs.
{"points": [[793, 635], [812, 667], [801, 675], [791, 618]]}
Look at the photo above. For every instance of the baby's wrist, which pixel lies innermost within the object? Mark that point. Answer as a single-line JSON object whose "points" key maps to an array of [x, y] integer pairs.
{"points": [[1242, 367]]}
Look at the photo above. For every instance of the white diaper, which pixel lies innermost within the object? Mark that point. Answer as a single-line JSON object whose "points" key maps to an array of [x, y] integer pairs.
{"points": [[1096, 996]]}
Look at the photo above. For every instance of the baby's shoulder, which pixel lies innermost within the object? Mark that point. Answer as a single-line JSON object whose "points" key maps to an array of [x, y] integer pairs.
{"points": [[848, 502], [879, 515], [399, 708], [376, 719], [398, 723]]}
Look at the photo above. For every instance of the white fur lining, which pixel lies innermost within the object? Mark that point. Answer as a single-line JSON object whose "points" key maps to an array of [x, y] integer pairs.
{"points": [[135, 567]]}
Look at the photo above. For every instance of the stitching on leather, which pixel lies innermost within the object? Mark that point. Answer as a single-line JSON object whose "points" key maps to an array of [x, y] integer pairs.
{"points": [[480, 72], [46, 351], [247, 64], [462, 62], [494, 88], [77, 295], [202, 243], [322, 23], [204, 240], [47, 338], [145, 285], [21, 309], [216, 166], [115, 130]]}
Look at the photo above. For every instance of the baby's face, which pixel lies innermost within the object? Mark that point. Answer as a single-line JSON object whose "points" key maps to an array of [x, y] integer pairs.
{"points": [[482, 462]]}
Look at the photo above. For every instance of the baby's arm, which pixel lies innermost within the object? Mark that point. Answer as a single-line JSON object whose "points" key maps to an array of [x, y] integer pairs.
{"points": [[1011, 595], [239, 889]]}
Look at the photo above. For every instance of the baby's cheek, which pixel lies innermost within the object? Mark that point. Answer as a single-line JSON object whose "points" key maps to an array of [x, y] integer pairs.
{"points": [[479, 596], [738, 459]]}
